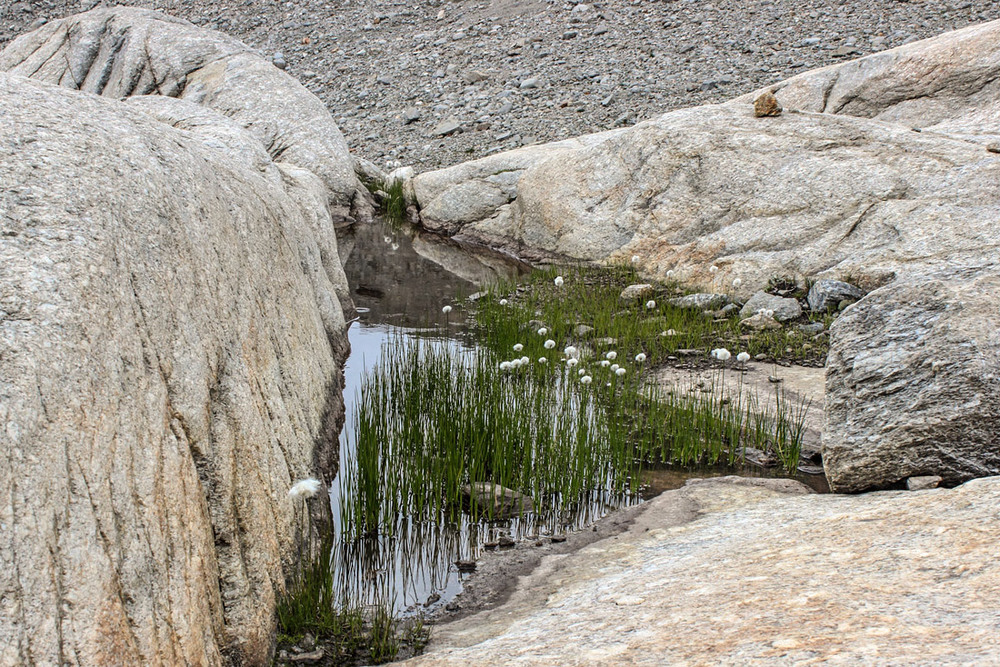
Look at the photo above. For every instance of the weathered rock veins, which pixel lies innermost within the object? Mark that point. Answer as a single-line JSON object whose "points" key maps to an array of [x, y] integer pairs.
{"points": [[170, 346], [730, 572], [913, 383], [124, 52], [878, 169]]}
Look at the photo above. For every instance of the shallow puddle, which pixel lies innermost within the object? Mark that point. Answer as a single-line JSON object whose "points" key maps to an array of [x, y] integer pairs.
{"points": [[400, 280]]}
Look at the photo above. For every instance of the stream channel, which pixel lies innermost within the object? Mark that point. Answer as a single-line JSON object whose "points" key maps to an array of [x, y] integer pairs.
{"points": [[400, 279]]}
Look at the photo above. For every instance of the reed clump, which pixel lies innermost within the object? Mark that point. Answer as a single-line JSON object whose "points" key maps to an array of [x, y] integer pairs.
{"points": [[551, 405]]}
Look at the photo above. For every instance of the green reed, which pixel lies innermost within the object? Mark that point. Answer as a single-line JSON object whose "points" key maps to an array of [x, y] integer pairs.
{"points": [[435, 418]]}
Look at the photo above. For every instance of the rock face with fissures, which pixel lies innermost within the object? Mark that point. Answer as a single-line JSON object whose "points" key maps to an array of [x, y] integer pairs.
{"points": [[124, 52], [171, 338], [913, 383], [758, 572]]}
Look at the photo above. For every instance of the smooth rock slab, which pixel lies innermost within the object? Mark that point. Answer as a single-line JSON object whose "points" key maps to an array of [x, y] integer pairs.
{"points": [[722, 573], [125, 52]]}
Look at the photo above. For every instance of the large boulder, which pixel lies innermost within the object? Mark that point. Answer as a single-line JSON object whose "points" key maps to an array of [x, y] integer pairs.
{"points": [[803, 194], [171, 341], [947, 84], [913, 383], [126, 51]]}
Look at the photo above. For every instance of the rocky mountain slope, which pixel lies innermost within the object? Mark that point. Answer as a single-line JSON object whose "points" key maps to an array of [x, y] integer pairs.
{"points": [[496, 74]]}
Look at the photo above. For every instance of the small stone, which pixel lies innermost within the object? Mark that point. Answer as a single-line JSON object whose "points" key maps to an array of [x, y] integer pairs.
{"points": [[760, 322], [473, 76], [785, 309], [410, 115], [811, 329], [529, 83], [447, 128], [556, 539], [760, 356], [278, 60], [922, 482], [637, 292], [570, 34], [728, 310], [825, 294], [844, 51], [313, 656], [766, 105], [993, 147], [844, 303], [505, 542], [466, 565]]}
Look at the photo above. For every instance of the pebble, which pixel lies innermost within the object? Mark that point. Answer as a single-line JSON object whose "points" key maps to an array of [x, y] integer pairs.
{"points": [[446, 128]]}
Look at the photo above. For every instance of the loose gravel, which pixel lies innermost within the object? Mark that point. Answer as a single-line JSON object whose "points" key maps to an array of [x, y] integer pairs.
{"points": [[432, 83]]}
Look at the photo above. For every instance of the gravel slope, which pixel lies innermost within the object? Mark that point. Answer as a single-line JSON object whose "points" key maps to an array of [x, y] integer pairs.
{"points": [[503, 73]]}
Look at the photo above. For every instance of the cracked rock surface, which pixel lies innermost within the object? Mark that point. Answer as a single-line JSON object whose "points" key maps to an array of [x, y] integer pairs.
{"points": [[171, 340]]}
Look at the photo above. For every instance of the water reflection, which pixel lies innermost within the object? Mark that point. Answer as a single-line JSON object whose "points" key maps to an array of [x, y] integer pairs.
{"points": [[400, 279]]}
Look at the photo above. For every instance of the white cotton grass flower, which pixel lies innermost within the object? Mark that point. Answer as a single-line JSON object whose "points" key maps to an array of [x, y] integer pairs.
{"points": [[505, 365], [586, 379], [571, 351], [518, 347], [504, 302], [713, 269], [525, 361], [641, 357], [615, 367], [559, 281], [605, 363], [581, 372], [571, 362], [542, 331], [620, 372], [670, 274], [737, 282], [305, 488], [635, 259], [543, 360], [722, 354], [446, 310], [650, 305], [743, 357], [769, 312], [612, 355], [514, 364], [549, 344]]}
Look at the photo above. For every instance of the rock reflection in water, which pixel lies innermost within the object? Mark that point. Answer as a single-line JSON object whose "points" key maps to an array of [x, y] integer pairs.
{"points": [[399, 280], [404, 276]]}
